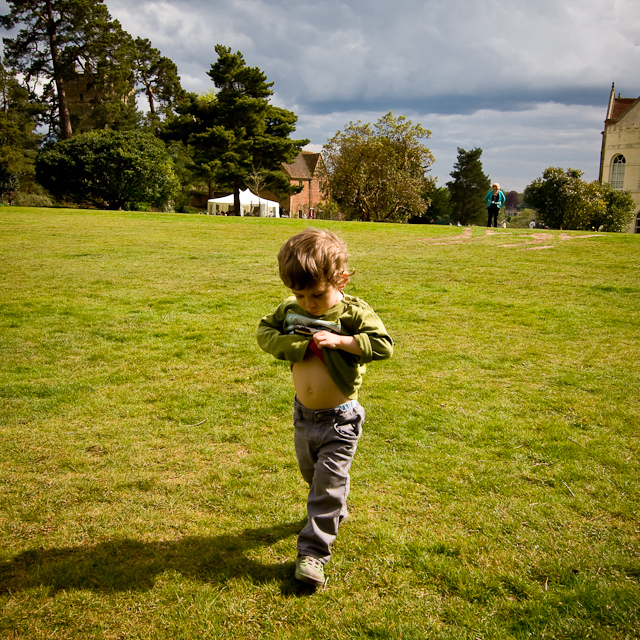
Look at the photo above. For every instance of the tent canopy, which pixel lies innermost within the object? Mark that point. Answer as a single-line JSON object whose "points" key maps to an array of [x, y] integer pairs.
{"points": [[250, 205]]}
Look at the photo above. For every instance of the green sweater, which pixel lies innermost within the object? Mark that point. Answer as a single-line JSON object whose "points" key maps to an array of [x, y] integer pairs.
{"points": [[356, 318]]}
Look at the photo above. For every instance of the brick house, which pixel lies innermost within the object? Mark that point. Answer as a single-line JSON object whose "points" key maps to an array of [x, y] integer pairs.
{"points": [[620, 155], [303, 172]]}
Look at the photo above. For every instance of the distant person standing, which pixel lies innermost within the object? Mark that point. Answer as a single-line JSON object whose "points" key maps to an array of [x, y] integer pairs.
{"points": [[494, 199], [532, 224]]}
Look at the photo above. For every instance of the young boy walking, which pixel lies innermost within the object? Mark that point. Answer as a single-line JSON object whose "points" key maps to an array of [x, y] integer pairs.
{"points": [[328, 337]]}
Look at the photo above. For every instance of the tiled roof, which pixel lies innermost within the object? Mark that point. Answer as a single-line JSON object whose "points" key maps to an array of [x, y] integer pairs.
{"points": [[619, 106], [304, 166]]}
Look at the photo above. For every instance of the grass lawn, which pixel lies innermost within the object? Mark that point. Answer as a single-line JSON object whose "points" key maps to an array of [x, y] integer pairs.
{"points": [[148, 484]]}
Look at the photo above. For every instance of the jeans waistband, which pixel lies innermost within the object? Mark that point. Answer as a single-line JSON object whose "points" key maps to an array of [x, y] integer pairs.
{"points": [[314, 414]]}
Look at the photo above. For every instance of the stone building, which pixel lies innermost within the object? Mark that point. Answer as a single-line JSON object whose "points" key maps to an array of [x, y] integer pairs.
{"points": [[84, 97], [620, 155]]}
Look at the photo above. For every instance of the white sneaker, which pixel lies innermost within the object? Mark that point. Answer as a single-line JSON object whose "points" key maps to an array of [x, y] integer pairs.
{"points": [[310, 570]]}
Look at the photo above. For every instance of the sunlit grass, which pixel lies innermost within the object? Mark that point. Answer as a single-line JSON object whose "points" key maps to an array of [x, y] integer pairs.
{"points": [[148, 485]]}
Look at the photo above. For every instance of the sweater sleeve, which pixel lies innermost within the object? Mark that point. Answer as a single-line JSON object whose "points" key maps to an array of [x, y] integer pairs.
{"points": [[370, 334], [273, 340]]}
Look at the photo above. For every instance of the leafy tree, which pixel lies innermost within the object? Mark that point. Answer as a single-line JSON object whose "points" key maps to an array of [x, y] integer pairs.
{"points": [[565, 201], [378, 172], [512, 200], [327, 210], [555, 195], [235, 130], [586, 206], [114, 169], [440, 206], [65, 41], [468, 187], [619, 209], [19, 141]]}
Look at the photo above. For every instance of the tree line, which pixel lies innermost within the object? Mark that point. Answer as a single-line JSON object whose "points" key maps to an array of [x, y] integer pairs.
{"points": [[92, 116], [99, 118]]}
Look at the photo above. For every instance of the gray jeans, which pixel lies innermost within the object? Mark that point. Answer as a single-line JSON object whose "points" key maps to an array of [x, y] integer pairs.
{"points": [[325, 443]]}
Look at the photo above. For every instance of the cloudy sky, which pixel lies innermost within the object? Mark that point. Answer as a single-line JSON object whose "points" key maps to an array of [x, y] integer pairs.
{"points": [[526, 80]]}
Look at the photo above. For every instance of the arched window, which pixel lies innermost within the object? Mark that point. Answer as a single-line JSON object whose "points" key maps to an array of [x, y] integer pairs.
{"points": [[617, 172]]}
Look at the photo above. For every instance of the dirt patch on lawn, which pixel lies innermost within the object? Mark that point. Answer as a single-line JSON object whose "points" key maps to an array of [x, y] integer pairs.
{"points": [[538, 239], [465, 236]]}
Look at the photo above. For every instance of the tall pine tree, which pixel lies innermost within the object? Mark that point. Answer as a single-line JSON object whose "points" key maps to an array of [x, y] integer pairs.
{"points": [[63, 41], [157, 80], [236, 130], [468, 187]]}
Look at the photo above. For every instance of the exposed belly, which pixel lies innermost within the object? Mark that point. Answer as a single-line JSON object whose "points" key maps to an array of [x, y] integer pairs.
{"points": [[313, 384]]}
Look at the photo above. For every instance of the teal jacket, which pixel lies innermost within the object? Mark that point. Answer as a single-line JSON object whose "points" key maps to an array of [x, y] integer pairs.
{"points": [[355, 317], [501, 198]]}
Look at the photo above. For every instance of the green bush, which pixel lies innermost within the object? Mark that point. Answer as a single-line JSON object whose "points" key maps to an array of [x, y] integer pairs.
{"points": [[113, 169], [327, 210], [23, 199], [565, 201]]}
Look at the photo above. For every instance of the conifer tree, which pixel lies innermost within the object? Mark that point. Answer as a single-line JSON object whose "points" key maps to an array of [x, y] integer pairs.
{"points": [[468, 187], [62, 40], [19, 140], [236, 129], [156, 79]]}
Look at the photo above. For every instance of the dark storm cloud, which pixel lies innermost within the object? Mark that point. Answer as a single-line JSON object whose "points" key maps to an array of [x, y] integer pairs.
{"points": [[476, 72]]}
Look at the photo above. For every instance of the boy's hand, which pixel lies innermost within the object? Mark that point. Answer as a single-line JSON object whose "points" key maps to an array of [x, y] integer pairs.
{"points": [[328, 340]]}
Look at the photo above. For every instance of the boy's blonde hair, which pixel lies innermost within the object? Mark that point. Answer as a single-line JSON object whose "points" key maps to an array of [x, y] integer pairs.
{"points": [[312, 257]]}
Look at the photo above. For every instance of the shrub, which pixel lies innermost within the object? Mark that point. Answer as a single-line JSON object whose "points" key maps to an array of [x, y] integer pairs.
{"points": [[23, 199], [565, 201], [114, 169], [619, 209]]}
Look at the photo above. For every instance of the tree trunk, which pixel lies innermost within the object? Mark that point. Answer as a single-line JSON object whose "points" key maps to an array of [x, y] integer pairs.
{"points": [[236, 200], [152, 107], [65, 120], [63, 109], [148, 89]]}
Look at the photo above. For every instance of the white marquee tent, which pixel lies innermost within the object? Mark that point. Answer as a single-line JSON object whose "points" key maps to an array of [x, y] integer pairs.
{"points": [[250, 205]]}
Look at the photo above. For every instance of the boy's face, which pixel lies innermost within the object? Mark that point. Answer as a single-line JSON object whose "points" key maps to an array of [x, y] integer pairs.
{"points": [[317, 299]]}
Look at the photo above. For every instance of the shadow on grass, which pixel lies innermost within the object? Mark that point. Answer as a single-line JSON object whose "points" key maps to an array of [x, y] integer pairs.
{"points": [[130, 565]]}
